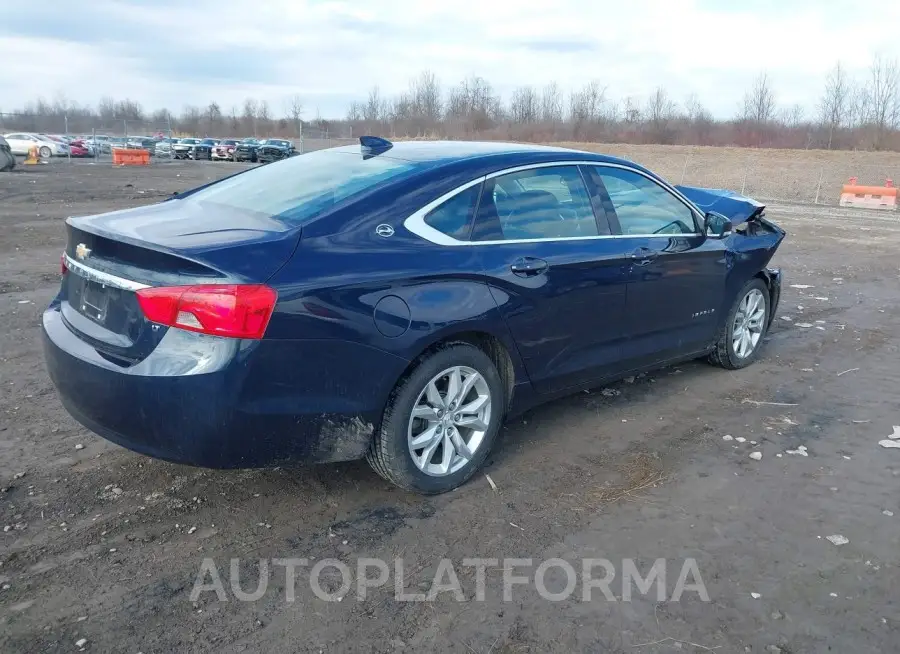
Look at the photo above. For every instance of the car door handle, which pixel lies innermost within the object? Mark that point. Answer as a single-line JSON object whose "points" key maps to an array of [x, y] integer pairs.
{"points": [[643, 256], [529, 266]]}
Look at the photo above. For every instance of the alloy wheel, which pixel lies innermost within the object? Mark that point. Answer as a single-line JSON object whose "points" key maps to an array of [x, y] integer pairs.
{"points": [[749, 322], [449, 421]]}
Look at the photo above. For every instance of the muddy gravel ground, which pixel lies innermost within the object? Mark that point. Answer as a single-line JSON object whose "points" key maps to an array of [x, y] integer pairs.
{"points": [[101, 547]]}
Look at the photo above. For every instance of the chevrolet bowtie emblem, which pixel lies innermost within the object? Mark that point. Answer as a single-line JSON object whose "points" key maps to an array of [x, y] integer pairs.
{"points": [[82, 251]]}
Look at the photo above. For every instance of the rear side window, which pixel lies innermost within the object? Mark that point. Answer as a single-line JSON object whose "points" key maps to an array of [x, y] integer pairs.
{"points": [[454, 217], [298, 188]]}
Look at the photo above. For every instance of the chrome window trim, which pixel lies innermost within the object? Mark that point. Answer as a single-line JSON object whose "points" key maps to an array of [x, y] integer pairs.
{"points": [[102, 277], [417, 225]]}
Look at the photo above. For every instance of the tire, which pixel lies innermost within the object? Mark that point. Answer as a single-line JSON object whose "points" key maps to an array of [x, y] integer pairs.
{"points": [[391, 453], [44, 152], [726, 354]]}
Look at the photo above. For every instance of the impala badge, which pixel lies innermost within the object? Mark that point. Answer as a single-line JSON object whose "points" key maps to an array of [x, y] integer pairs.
{"points": [[82, 251]]}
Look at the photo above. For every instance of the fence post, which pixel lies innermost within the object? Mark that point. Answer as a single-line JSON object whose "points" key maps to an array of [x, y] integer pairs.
{"points": [[96, 144], [684, 168], [744, 179], [819, 185], [68, 145]]}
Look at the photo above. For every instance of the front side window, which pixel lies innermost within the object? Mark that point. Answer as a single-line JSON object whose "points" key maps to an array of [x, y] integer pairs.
{"points": [[643, 206], [536, 203]]}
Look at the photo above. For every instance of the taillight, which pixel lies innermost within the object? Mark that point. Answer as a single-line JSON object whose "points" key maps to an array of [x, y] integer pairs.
{"points": [[234, 310], [63, 268]]}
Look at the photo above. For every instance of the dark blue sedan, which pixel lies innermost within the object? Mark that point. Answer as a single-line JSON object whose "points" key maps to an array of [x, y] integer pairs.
{"points": [[396, 302]]}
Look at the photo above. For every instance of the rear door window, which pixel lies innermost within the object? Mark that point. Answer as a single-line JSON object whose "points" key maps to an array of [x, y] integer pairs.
{"points": [[538, 203]]}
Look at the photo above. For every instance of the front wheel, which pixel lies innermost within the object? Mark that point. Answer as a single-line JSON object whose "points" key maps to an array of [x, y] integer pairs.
{"points": [[742, 336], [440, 422], [44, 152]]}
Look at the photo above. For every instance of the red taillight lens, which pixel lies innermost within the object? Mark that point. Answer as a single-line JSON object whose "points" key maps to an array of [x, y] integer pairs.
{"points": [[236, 311], [63, 268]]}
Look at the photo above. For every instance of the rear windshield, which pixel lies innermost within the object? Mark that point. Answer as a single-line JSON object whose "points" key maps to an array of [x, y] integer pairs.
{"points": [[298, 188]]}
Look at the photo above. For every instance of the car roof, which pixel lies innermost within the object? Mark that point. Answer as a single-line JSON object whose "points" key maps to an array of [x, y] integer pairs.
{"points": [[445, 152]]}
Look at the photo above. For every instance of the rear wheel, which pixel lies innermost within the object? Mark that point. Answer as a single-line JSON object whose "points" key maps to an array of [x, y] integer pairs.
{"points": [[742, 336], [440, 422]]}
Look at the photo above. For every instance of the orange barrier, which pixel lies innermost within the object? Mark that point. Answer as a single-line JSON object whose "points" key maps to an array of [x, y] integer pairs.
{"points": [[123, 157], [869, 197]]}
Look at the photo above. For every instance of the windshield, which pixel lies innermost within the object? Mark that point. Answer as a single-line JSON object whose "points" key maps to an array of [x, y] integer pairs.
{"points": [[298, 188], [227, 142], [190, 140], [276, 142]]}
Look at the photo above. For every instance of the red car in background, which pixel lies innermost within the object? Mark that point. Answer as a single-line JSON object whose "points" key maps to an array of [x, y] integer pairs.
{"points": [[224, 149]]}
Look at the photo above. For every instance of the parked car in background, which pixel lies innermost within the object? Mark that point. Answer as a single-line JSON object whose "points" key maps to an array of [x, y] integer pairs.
{"points": [[143, 143], [99, 142], [118, 142], [274, 150], [246, 150], [396, 302], [163, 147], [224, 149], [7, 158], [21, 142], [191, 148]]}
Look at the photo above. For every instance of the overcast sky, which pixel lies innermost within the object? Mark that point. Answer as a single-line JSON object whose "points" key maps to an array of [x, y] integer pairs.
{"points": [[168, 53]]}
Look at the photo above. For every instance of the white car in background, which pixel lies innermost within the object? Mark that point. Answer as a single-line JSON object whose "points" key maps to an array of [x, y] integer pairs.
{"points": [[21, 142]]}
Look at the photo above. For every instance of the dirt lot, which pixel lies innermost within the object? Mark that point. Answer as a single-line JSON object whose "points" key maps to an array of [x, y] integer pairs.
{"points": [[105, 545]]}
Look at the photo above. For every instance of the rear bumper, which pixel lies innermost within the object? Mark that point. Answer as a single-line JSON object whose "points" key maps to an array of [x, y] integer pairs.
{"points": [[236, 404]]}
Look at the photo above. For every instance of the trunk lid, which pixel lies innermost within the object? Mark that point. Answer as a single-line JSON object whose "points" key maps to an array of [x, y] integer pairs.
{"points": [[174, 243]]}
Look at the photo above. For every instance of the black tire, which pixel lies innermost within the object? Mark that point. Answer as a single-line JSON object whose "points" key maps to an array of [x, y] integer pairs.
{"points": [[390, 455], [44, 152], [724, 354]]}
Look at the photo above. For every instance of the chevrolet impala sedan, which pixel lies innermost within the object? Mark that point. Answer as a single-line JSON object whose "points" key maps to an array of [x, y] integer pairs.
{"points": [[396, 302]]}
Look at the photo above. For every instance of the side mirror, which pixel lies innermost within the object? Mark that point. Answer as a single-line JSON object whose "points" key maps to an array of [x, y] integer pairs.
{"points": [[717, 226]]}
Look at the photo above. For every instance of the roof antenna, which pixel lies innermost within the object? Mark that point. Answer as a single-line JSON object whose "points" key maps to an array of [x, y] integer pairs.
{"points": [[373, 146]]}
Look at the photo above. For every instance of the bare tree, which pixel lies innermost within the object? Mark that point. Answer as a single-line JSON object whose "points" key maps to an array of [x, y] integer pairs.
{"points": [[249, 116], [264, 118], [213, 118], [835, 105], [426, 99], [190, 119], [659, 114], [295, 113], [551, 104], [524, 107], [374, 109], [759, 102], [883, 99], [473, 105], [586, 107]]}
